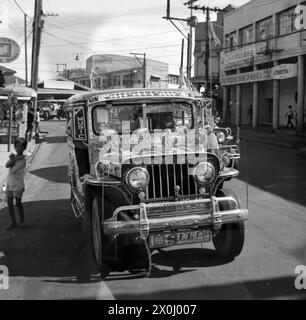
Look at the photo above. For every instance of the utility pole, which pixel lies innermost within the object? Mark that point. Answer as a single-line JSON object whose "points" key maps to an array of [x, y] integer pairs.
{"points": [[38, 25], [192, 21], [206, 10], [144, 66], [26, 49]]}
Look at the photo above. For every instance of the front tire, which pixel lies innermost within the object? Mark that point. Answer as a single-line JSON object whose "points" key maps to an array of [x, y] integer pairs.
{"points": [[229, 241]]}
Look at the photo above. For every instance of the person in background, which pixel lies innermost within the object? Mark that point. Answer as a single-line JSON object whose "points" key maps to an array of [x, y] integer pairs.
{"points": [[289, 116], [15, 181], [30, 124], [250, 114]]}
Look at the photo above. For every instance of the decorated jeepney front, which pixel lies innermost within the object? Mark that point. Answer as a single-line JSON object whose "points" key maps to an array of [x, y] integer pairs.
{"points": [[158, 170]]}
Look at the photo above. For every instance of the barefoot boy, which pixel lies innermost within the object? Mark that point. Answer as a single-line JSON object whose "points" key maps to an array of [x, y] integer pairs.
{"points": [[15, 181]]}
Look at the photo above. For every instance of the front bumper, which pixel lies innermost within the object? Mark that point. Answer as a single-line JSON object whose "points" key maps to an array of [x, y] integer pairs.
{"points": [[187, 214]]}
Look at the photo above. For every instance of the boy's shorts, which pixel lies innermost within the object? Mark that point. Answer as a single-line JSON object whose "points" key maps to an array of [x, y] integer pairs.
{"points": [[14, 194]]}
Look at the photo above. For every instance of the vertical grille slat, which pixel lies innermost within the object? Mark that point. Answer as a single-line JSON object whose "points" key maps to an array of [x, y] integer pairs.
{"points": [[154, 185], [164, 179], [168, 185], [182, 179], [160, 181]]}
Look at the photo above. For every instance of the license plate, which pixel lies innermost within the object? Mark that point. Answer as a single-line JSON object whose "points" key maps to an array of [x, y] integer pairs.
{"points": [[167, 239]]}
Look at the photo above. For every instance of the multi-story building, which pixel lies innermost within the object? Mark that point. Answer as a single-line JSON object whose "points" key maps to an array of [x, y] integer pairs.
{"points": [[114, 71], [215, 32], [263, 64]]}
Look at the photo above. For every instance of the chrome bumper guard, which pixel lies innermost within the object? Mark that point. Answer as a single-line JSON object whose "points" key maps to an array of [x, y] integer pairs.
{"points": [[175, 215]]}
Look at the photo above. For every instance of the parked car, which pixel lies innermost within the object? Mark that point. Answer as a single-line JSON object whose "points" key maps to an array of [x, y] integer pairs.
{"points": [[145, 174], [50, 109]]}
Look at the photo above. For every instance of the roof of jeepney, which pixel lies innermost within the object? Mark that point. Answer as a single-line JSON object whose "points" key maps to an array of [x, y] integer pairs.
{"points": [[129, 94]]}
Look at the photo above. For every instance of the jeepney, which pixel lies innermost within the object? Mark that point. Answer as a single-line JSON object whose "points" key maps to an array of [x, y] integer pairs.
{"points": [[147, 173]]}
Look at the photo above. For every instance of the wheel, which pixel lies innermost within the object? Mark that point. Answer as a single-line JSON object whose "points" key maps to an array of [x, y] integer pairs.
{"points": [[230, 239]]}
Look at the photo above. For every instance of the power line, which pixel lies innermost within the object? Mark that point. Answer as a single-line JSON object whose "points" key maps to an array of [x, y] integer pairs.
{"points": [[17, 4]]}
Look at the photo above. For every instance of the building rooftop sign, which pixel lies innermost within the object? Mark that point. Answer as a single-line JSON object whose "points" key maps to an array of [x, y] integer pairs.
{"points": [[9, 50]]}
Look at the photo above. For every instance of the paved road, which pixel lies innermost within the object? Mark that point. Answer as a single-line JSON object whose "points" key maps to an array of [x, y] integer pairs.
{"points": [[46, 260]]}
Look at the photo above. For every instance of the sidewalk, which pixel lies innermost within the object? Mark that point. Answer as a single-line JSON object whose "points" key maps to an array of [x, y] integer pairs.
{"points": [[282, 138]]}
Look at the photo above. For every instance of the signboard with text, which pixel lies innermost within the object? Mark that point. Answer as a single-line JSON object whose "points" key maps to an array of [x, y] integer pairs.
{"points": [[9, 50], [284, 71], [79, 124]]}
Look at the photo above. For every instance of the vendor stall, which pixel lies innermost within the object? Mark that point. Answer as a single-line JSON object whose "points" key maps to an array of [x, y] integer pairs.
{"points": [[14, 104]]}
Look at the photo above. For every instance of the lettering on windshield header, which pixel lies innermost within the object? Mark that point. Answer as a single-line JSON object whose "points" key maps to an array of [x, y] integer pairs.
{"points": [[138, 94]]}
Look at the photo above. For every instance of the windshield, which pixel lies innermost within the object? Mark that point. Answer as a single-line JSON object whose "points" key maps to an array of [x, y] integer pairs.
{"points": [[149, 116]]}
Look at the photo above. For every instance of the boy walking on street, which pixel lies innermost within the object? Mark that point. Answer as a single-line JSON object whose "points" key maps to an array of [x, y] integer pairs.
{"points": [[15, 181]]}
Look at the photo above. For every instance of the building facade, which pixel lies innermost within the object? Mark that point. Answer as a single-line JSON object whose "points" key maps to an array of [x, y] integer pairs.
{"points": [[263, 64], [212, 62], [116, 71]]}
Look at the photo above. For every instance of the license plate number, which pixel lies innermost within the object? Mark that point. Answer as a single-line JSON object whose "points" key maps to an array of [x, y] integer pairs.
{"points": [[159, 240]]}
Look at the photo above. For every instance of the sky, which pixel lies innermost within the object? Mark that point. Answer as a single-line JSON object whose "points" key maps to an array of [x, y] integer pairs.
{"points": [[87, 27]]}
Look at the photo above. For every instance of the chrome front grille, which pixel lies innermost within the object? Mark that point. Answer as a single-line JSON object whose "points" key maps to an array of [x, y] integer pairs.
{"points": [[165, 177]]}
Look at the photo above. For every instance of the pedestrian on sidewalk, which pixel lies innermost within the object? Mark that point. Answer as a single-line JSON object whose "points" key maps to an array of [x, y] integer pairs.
{"points": [[289, 116], [15, 181], [250, 114], [30, 123]]}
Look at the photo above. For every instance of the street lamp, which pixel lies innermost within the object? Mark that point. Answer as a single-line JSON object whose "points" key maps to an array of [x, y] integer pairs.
{"points": [[144, 65]]}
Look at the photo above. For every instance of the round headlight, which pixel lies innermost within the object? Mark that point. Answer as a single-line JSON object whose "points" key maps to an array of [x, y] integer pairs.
{"points": [[102, 169], [204, 173], [221, 137], [226, 159], [138, 178]]}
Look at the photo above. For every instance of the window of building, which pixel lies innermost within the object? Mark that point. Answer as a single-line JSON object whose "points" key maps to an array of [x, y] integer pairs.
{"points": [[286, 22], [127, 80], [231, 40], [264, 29], [116, 80], [247, 35]]}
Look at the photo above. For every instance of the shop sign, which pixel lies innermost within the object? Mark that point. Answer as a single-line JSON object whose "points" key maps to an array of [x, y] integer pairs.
{"points": [[284, 71], [243, 56], [9, 50]]}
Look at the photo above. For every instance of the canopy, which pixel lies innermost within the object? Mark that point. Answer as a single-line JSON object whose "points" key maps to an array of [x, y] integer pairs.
{"points": [[18, 90]]}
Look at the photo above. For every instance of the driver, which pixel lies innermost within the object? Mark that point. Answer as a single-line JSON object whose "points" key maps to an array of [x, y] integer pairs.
{"points": [[170, 123]]}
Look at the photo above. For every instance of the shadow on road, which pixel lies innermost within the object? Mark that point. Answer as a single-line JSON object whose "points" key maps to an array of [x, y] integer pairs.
{"points": [[279, 171], [275, 288], [53, 174], [50, 244], [58, 139], [188, 258]]}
